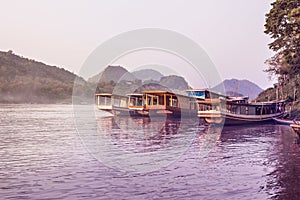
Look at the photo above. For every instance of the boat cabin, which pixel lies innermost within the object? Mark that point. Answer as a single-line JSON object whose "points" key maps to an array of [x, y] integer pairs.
{"points": [[136, 101], [104, 101], [169, 103], [238, 100], [209, 103], [157, 99], [120, 101], [242, 107], [202, 94], [110, 102]]}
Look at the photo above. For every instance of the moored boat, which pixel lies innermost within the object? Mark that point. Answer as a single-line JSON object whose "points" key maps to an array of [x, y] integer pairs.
{"points": [[160, 103], [219, 109], [209, 105], [239, 111], [104, 102]]}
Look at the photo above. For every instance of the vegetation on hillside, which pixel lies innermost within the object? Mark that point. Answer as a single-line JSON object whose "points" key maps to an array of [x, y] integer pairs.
{"points": [[24, 80], [283, 25]]}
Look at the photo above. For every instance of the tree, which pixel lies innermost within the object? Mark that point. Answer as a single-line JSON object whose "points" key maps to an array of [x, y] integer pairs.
{"points": [[283, 25]]}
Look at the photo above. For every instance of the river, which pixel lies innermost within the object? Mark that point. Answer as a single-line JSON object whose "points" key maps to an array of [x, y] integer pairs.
{"points": [[46, 155]]}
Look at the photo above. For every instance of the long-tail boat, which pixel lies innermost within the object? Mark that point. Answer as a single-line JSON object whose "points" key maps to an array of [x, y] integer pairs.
{"points": [[218, 109]]}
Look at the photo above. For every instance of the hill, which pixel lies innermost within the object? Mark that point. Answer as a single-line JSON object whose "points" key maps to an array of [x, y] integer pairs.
{"points": [[147, 74], [24, 80], [117, 80], [112, 73], [234, 87]]}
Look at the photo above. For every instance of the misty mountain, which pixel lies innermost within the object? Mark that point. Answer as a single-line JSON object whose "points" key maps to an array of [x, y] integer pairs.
{"points": [[174, 82], [117, 79], [112, 73], [236, 87], [24, 80], [147, 74]]}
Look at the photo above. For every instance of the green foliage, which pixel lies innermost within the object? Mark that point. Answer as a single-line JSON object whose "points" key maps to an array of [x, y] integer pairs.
{"points": [[283, 25]]}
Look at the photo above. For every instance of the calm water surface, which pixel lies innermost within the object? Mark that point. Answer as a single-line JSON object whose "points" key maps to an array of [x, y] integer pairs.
{"points": [[43, 157]]}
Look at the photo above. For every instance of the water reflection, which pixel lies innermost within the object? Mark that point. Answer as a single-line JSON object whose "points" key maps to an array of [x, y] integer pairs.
{"points": [[143, 144], [284, 157], [143, 133]]}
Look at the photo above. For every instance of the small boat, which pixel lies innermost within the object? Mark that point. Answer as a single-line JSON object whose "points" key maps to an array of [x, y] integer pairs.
{"points": [[296, 128], [285, 121]]}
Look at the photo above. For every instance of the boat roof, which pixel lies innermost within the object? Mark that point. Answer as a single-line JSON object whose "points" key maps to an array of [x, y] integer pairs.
{"points": [[268, 102], [197, 90], [206, 90], [230, 98], [135, 94], [103, 94], [157, 92]]}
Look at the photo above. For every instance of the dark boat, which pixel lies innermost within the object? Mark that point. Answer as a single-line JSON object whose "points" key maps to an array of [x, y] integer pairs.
{"points": [[237, 110]]}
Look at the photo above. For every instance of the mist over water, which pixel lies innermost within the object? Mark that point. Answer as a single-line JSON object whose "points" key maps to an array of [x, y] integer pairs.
{"points": [[43, 157]]}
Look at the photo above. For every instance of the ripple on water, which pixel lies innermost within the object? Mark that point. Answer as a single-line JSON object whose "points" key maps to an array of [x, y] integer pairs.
{"points": [[42, 157]]}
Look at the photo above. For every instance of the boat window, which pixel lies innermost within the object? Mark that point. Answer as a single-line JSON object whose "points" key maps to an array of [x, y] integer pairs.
{"points": [[155, 100], [198, 94], [139, 101], [161, 100], [174, 102], [149, 100], [136, 101], [123, 102], [102, 100], [168, 101], [207, 96], [116, 101]]}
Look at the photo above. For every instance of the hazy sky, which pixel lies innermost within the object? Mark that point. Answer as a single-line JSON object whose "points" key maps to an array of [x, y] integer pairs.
{"points": [[64, 33]]}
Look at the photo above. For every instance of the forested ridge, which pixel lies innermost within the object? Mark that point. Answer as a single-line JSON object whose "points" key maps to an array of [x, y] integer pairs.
{"points": [[24, 80]]}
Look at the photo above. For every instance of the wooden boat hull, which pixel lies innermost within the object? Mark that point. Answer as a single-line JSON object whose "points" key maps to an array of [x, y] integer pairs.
{"points": [[284, 121], [172, 112], [236, 119], [121, 111], [296, 128]]}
